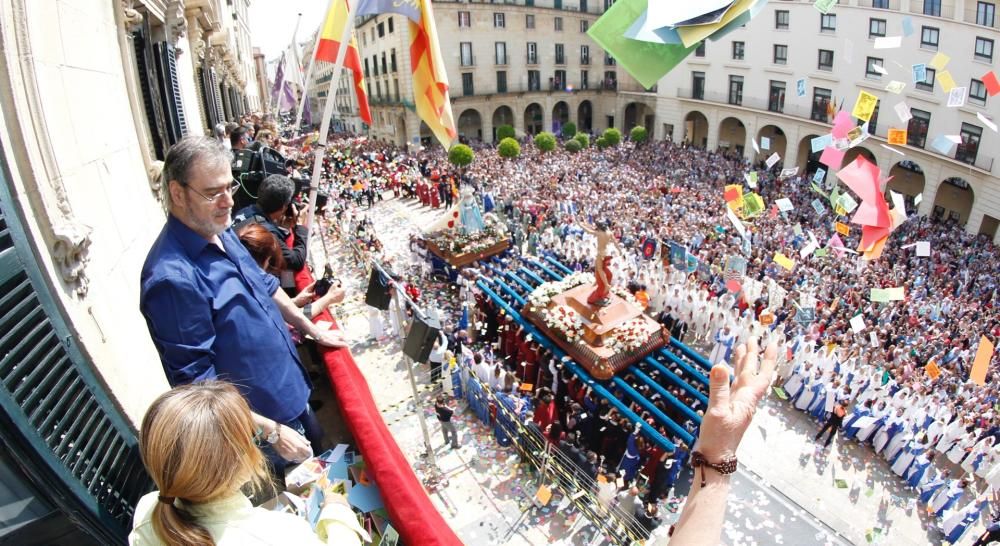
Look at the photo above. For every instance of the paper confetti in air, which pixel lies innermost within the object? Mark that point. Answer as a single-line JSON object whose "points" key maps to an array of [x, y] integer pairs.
{"points": [[888, 42], [987, 121], [947, 82], [939, 61]]}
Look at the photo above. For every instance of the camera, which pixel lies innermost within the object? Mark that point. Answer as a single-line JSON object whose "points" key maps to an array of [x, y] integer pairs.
{"points": [[324, 284]]}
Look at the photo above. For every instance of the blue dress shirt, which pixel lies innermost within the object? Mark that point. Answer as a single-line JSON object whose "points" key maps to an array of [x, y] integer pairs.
{"points": [[211, 316]]}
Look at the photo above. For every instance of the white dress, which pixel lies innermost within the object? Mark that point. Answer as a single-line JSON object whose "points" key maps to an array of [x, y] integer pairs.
{"points": [[941, 497], [956, 453]]}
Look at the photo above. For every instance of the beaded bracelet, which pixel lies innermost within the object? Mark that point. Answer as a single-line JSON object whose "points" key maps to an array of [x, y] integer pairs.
{"points": [[726, 467]]}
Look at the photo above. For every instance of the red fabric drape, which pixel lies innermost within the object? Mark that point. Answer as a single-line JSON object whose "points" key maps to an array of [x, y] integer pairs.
{"points": [[410, 509]]}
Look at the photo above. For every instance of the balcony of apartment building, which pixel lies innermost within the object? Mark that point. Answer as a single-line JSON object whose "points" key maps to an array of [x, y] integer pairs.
{"points": [[822, 110]]}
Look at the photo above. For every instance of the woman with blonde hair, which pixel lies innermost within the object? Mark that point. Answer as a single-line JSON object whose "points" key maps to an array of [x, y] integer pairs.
{"points": [[198, 445]]}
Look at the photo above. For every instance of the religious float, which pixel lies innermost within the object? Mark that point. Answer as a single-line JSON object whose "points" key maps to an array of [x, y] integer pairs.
{"points": [[598, 325], [463, 236]]}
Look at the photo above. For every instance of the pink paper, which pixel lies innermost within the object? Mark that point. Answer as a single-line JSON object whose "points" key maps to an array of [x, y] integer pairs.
{"points": [[862, 176], [842, 124], [836, 244], [832, 157]]}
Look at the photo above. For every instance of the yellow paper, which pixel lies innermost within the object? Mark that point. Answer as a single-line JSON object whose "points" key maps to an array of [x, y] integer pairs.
{"points": [[897, 136], [842, 228], [933, 371], [946, 81], [691, 35], [939, 61], [865, 106], [784, 261], [982, 361], [544, 495]]}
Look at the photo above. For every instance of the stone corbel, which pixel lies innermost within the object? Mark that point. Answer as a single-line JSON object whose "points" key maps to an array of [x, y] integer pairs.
{"points": [[130, 16], [69, 253]]}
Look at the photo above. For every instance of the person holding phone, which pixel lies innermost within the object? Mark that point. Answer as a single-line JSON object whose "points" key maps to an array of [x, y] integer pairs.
{"points": [[275, 211]]}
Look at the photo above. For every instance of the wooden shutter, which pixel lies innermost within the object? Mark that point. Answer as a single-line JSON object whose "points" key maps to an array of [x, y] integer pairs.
{"points": [[56, 418], [145, 64], [170, 93]]}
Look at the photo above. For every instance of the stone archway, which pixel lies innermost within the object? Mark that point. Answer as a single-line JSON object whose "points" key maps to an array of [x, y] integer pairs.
{"points": [[560, 116], [470, 124], [503, 115], [426, 135], [533, 120], [696, 129], [906, 178], [954, 200], [585, 116], [732, 135], [807, 159], [861, 151], [776, 142], [637, 113]]}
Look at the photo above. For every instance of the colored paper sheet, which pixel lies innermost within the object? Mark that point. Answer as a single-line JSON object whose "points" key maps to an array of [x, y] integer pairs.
{"points": [[888, 42], [736, 223], [365, 498], [765, 143], [847, 203], [897, 136], [895, 87], [751, 179], [842, 228], [752, 204], [918, 198], [992, 83], [919, 73], [842, 124], [903, 111], [893, 150], [734, 192], [771, 161], [858, 323], [875, 252], [691, 35], [883, 295], [982, 361], [819, 176], [880, 69], [821, 252], [646, 62], [784, 204], [932, 369], [817, 144], [907, 26], [862, 176], [800, 87], [784, 261], [824, 6], [817, 206], [832, 157], [864, 107], [871, 236], [942, 144], [987, 121], [947, 82], [923, 249], [543, 495], [957, 96], [939, 61]]}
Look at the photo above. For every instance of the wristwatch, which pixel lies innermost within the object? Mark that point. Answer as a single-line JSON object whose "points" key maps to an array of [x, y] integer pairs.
{"points": [[275, 434]]}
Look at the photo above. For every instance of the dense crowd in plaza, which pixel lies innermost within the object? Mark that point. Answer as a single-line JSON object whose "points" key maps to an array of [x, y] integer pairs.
{"points": [[664, 192]]}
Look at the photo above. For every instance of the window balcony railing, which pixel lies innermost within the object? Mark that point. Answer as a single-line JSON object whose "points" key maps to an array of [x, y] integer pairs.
{"points": [[982, 18], [934, 9]]}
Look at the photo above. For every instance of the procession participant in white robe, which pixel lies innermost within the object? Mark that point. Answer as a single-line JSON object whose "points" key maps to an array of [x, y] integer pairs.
{"points": [[978, 453], [810, 390], [989, 462], [961, 447], [957, 522], [908, 454], [922, 470], [952, 432], [935, 480], [796, 381], [993, 475], [893, 427], [947, 496], [724, 339], [934, 431], [881, 413], [375, 327]]}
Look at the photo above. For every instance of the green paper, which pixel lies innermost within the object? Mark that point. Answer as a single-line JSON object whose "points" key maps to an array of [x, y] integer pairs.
{"points": [[752, 204], [780, 393], [824, 6], [645, 61], [821, 252], [869, 493], [883, 295], [841, 484]]}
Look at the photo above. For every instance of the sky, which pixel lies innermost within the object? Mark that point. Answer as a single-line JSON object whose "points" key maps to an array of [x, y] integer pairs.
{"points": [[272, 23]]}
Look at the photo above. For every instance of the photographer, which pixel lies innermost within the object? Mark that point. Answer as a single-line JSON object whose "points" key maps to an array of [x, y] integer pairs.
{"points": [[275, 211]]}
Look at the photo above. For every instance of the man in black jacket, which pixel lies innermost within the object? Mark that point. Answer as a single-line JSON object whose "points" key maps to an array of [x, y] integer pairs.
{"points": [[274, 210]]}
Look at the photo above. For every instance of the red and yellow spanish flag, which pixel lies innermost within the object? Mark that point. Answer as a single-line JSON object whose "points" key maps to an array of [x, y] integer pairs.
{"points": [[430, 81], [330, 35]]}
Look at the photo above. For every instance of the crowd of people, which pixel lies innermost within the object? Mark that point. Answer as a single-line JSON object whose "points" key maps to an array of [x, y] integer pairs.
{"points": [[664, 192]]}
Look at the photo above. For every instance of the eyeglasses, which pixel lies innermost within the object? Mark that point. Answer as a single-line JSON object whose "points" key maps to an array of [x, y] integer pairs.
{"points": [[231, 189]]}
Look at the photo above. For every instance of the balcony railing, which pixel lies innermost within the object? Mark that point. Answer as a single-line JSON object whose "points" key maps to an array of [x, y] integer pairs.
{"points": [[805, 112], [972, 16], [947, 10]]}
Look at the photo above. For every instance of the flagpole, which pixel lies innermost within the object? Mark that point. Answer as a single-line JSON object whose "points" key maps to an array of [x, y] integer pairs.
{"points": [[324, 128], [309, 71]]}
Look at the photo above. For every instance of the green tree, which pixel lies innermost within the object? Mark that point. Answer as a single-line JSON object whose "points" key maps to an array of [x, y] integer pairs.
{"points": [[505, 131], [638, 134], [601, 142], [460, 155], [545, 141], [612, 137], [509, 148], [583, 139], [573, 146], [569, 130]]}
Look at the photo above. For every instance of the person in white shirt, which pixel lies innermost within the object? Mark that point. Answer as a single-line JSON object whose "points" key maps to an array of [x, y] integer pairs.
{"points": [[197, 443]]}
